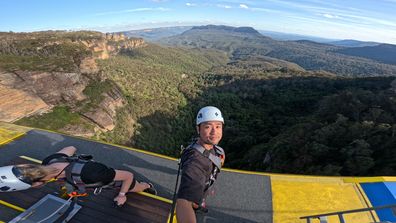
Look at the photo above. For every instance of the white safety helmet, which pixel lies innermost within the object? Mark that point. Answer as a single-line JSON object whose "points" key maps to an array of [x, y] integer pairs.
{"points": [[209, 113], [11, 179]]}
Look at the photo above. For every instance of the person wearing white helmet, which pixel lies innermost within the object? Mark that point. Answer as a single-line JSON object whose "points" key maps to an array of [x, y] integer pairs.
{"points": [[200, 164], [23, 176], [79, 171]]}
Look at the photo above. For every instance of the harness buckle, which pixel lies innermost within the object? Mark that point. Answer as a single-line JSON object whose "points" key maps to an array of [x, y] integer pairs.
{"points": [[98, 190]]}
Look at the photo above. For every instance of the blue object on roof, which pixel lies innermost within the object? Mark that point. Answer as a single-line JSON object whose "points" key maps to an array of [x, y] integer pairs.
{"points": [[379, 194]]}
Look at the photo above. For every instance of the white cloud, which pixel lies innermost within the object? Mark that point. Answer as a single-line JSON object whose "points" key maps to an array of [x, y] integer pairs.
{"points": [[191, 4], [330, 16], [334, 29], [243, 6], [132, 10], [371, 21], [265, 10], [223, 6], [319, 6], [344, 15]]}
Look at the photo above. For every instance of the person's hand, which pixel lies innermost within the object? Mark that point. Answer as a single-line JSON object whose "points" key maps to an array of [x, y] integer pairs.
{"points": [[222, 157], [120, 199]]}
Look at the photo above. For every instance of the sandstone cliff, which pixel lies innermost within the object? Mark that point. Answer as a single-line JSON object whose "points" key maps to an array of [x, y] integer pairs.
{"points": [[16, 104], [112, 44], [105, 113], [25, 93], [30, 90]]}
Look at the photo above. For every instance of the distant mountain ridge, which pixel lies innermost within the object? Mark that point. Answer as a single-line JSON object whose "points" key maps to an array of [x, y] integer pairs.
{"points": [[353, 43], [384, 53], [153, 34], [242, 43], [294, 37], [246, 30]]}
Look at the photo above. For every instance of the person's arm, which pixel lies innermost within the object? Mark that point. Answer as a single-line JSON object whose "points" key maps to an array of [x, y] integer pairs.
{"points": [[126, 177], [70, 150], [185, 212], [191, 188]]}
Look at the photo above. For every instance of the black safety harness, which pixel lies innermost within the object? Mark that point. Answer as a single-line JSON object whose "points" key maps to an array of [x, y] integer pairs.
{"points": [[216, 162], [73, 173], [73, 177], [214, 158]]}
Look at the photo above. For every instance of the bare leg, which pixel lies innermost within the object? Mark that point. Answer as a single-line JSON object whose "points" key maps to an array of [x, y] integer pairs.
{"points": [[185, 212], [70, 150], [139, 187]]}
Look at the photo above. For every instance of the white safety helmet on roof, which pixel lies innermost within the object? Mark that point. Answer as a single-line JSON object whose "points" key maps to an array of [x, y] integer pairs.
{"points": [[209, 113], [11, 179]]}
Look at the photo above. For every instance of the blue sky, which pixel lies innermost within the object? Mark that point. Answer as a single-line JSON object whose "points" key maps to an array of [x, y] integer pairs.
{"points": [[373, 20]]}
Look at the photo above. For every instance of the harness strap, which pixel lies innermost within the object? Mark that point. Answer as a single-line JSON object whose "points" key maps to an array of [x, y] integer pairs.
{"points": [[73, 176], [63, 159], [76, 175], [216, 160]]}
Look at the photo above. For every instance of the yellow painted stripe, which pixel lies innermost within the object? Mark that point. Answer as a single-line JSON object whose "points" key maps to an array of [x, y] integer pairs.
{"points": [[389, 179], [296, 176], [245, 172], [319, 177], [363, 180], [10, 132], [31, 159], [5, 141], [2, 222], [143, 151], [369, 179], [12, 206], [277, 174], [156, 197]]}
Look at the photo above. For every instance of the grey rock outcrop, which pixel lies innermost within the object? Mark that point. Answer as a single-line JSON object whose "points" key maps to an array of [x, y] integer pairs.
{"points": [[104, 115]]}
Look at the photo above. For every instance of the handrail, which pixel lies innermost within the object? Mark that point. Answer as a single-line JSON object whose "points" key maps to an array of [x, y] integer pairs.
{"points": [[341, 213]]}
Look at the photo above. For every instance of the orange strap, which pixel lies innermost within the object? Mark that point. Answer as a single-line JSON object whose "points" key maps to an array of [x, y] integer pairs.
{"points": [[76, 194]]}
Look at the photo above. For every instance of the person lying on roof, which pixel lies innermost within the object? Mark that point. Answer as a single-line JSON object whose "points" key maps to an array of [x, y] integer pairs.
{"points": [[79, 171]]}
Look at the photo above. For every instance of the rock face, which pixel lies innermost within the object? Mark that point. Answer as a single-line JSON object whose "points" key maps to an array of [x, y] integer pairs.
{"points": [[54, 87], [16, 104], [25, 93], [112, 44], [105, 113], [79, 130], [88, 66]]}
